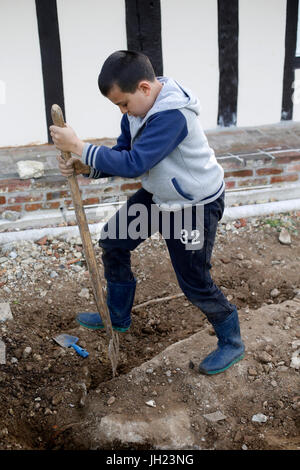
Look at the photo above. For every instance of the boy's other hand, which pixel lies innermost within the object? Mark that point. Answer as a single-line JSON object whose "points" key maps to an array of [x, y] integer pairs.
{"points": [[65, 139], [72, 166]]}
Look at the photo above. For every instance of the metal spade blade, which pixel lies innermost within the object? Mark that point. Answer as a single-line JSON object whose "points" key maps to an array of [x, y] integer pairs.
{"points": [[68, 341]]}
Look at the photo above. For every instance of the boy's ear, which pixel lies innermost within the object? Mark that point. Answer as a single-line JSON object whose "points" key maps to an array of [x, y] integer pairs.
{"points": [[145, 87]]}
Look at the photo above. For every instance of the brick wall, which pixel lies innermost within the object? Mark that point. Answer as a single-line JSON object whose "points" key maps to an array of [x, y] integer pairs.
{"points": [[51, 191], [261, 168]]}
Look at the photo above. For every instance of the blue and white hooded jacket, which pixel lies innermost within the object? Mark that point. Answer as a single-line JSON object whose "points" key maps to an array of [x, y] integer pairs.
{"points": [[167, 149]]}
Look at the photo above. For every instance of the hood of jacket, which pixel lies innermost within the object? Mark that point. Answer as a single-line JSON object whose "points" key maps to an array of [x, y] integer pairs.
{"points": [[171, 96]]}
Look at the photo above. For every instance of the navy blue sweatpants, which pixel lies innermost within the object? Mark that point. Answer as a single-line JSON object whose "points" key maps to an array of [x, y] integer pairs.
{"points": [[192, 266]]}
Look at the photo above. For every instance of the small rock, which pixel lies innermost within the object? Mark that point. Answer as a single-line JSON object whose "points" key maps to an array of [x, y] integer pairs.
{"points": [[38, 266], [2, 352], [151, 403], [27, 351], [259, 418], [225, 260], [295, 362], [111, 400], [42, 241], [252, 371], [284, 237], [3, 432], [76, 268], [84, 293], [37, 357], [246, 263], [11, 215], [274, 293], [297, 296], [5, 312], [53, 274], [214, 417], [268, 347], [282, 368], [13, 255], [238, 436], [3, 259], [167, 361], [30, 169], [264, 357], [241, 223], [56, 399]]}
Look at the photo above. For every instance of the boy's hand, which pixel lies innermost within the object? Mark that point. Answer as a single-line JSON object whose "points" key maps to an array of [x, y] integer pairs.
{"points": [[73, 165], [65, 139]]}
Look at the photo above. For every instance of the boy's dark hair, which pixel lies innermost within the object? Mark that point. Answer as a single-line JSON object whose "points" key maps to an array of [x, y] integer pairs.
{"points": [[125, 69]]}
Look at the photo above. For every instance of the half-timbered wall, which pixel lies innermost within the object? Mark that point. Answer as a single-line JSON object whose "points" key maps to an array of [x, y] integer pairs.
{"points": [[241, 57]]}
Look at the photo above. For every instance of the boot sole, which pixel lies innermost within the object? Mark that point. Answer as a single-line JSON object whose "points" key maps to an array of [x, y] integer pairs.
{"points": [[213, 372], [119, 330]]}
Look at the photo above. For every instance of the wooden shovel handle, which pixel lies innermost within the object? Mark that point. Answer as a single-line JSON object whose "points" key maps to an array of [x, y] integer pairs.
{"points": [[58, 120]]}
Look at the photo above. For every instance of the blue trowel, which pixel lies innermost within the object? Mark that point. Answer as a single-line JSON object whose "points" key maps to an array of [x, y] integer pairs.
{"points": [[68, 341]]}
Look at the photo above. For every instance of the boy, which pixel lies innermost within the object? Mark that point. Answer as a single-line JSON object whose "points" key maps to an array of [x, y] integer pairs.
{"points": [[163, 143]]}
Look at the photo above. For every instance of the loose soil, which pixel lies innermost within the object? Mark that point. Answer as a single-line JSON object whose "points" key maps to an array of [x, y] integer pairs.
{"points": [[43, 391]]}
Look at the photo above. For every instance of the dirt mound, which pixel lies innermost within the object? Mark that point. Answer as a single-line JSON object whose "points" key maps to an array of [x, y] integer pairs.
{"points": [[165, 405]]}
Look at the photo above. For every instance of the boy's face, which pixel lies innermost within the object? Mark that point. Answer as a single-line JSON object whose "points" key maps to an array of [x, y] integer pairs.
{"points": [[134, 104]]}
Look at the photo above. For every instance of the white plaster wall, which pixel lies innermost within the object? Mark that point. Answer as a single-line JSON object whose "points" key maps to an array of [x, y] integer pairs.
{"points": [[296, 96], [190, 50], [90, 31], [22, 108], [261, 61]]}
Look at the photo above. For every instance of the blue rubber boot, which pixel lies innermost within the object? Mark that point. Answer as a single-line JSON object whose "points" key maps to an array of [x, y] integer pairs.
{"points": [[120, 297], [230, 346]]}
